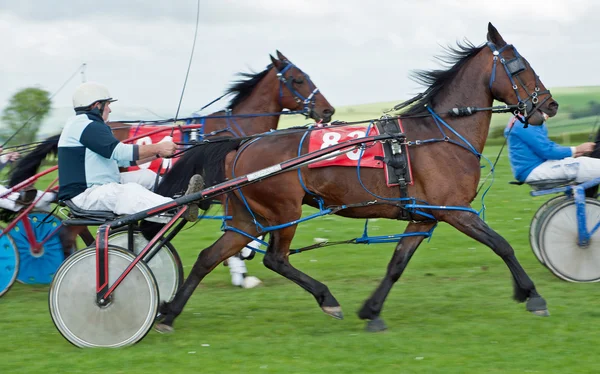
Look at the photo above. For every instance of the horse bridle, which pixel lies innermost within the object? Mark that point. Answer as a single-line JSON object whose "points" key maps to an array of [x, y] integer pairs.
{"points": [[513, 68], [308, 103]]}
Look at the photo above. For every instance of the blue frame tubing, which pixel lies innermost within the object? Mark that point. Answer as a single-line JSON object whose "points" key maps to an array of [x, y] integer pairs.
{"points": [[578, 194]]}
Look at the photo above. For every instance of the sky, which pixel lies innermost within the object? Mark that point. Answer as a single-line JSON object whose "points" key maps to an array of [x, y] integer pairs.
{"points": [[355, 51]]}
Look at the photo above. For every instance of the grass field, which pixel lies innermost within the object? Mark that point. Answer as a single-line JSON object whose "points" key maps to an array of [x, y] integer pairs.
{"points": [[451, 312]]}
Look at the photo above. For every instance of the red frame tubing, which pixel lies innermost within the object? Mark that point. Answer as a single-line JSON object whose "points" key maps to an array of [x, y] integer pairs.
{"points": [[102, 290], [22, 216]]}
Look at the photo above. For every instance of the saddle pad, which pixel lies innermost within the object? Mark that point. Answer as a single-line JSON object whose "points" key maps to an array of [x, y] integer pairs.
{"points": [[325, 137], [153, 139]]}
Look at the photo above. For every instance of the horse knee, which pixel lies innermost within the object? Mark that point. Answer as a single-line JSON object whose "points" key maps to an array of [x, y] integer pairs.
{"points": [[272, 261], [502, 248]]}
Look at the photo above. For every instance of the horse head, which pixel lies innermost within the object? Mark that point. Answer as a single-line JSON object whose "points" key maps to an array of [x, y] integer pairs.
{"points": [[298, 92], [513, 81]]}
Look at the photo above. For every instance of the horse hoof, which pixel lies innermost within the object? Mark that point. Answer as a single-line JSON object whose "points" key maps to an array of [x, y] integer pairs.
{"points": [[541, 313], [334, 311], [376, 325], [537, 306], [250, 282], [164, 329]]}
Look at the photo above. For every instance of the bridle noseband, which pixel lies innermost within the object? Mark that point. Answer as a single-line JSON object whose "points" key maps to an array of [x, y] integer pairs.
{"points": [[513, 68], [307, 103]]}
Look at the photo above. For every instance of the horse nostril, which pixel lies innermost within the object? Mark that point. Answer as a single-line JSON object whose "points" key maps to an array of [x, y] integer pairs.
{"points": [[553, 105], [329, 112]]}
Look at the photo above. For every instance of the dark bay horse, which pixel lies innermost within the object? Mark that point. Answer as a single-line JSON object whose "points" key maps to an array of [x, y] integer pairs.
{"points": [[282, 85], [444, 174]]}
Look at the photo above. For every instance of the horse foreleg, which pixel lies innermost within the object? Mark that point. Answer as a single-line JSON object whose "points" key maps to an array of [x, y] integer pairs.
{"points": [[228, 244], [404, 251], [524, 289], [277, 259]]}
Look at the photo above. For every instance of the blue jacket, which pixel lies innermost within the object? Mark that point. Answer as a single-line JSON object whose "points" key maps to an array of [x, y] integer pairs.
{"points": [[89, 154], [529, 147]]}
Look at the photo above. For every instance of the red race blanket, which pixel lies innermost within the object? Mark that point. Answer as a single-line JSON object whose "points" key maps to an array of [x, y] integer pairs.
{"points": [[153, 139], [325, 137]]}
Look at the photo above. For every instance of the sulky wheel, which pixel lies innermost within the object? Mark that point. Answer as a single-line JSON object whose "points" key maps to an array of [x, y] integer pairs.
{"points": [[9, 263], [536, 224], [126, 318], [38, 265], [560, 249], [165, 265]]}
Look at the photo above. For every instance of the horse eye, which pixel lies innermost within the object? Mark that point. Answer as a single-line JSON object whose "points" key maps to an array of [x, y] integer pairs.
{"points": [[298, 80]]}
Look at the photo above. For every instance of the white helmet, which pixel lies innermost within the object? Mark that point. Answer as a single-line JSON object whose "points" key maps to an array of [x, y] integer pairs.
{"points": [[90, 92]]}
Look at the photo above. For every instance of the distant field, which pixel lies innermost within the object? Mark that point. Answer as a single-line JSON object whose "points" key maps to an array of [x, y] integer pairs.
{"points": [[569, 99]]}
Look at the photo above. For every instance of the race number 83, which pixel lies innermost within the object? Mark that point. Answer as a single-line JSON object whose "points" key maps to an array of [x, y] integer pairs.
{"points": [[333, 138]]}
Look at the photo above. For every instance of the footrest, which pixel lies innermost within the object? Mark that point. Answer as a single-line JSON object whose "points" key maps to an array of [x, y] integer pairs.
{"points": [[547, 184], [76, 212]]}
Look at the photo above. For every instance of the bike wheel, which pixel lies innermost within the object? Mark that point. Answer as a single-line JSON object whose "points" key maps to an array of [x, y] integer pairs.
{"points": [[561, 252], [38, 268], [536, 221], [9, 263], [124, 321], [165, 265]]}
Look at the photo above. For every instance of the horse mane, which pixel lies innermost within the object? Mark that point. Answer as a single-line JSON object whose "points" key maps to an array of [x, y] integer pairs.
{"points": [[242, 88], [28, 165], [204, 159], [436, 80]]}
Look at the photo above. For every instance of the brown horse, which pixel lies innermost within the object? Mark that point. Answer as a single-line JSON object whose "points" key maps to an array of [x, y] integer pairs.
{"points": [[258, 101], [444, 175]]}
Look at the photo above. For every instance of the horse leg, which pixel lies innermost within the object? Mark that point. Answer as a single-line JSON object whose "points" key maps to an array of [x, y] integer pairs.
{"points": [[524, 289], [406, 247], [68, 237], [227, 245], [86, 235], [277, 259]]}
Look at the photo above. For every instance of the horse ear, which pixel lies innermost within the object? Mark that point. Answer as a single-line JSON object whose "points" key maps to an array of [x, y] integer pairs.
{"points": [[276, 62], [494, 36], [281, 56]]}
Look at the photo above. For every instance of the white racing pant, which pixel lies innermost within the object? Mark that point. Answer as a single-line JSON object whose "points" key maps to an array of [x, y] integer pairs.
{"points": [[582, 169], [9, 201], [130, 196]]}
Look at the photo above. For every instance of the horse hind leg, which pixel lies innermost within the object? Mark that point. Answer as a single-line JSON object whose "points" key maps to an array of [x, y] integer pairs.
{"points": [[524, 289], [68, 238], [226, 246], [406, 247], [277, 259]]}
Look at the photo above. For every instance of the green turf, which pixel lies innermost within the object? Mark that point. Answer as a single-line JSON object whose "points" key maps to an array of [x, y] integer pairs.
{"points": [[451, 312]]}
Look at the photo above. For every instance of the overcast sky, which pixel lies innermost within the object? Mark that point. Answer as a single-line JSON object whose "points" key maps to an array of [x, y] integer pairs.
{"points": [[355, 51]]}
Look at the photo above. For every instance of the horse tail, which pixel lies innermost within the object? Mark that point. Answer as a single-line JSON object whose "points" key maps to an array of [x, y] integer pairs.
{"points": [[207, 160], [28, 165]]}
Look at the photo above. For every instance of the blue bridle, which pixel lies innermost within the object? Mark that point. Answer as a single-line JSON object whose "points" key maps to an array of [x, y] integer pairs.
{"points": [[513, 68], [308, 103]]}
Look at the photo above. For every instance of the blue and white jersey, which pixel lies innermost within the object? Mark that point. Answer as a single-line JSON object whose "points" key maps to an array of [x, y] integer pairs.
{"points": [[89, 154]]}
